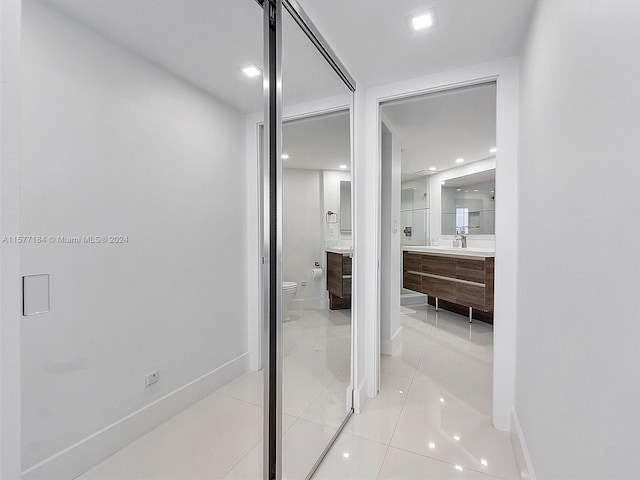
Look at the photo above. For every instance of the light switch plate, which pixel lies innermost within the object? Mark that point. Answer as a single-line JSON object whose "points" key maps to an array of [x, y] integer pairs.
{"points": [[35, 294]]}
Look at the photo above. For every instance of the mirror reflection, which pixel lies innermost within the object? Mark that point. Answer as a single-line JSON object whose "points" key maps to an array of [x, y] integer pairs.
{"points": [[468, 204]]}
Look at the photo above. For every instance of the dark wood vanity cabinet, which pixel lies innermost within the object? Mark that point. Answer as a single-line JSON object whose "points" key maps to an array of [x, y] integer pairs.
{"points": [[457, 280], [339, 280]]}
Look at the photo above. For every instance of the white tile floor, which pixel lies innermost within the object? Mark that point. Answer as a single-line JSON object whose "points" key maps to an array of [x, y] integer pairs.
{"points": [[431, 419]]}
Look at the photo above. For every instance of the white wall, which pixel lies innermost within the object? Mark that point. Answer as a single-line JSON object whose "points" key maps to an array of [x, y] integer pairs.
{"points": [[390, 252], [113, 145], [10, 295], [578, 387], [302, 235]]}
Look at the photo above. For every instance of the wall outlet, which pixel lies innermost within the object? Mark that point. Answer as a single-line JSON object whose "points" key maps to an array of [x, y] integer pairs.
{"points": [[151, 378]]}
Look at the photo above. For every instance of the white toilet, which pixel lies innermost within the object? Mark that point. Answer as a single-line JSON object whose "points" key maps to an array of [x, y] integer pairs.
{"points": [[289, 290]]}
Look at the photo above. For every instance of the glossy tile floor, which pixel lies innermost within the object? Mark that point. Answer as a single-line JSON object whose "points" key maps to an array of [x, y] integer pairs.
{"points": [[431, 419], [221, 436]]}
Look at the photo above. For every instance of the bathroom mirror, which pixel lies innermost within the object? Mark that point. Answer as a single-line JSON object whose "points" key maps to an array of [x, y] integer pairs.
{"points": [[345, 207], [468, 204]]}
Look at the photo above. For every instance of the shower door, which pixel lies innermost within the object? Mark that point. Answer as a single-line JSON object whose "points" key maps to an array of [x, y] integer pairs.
{"points": [[308, 249]]}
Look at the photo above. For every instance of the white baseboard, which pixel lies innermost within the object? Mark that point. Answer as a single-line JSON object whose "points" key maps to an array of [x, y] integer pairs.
{"points": [[360, 396], [387, 345], [88, 452], [520, 449]]}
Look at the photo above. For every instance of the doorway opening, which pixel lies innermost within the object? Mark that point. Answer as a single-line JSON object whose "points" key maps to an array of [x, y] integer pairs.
{"points": [[437, 251]]}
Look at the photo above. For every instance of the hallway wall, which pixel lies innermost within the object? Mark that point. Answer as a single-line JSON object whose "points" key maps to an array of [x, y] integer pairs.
{"points": [[577, 388], [113, 145]]}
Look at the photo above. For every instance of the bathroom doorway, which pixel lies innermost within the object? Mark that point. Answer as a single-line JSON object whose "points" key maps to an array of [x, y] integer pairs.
{"points": [[438, 196]]}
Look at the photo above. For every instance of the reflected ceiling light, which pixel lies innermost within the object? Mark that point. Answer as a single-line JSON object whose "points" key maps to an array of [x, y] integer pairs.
{"points": [[476, 190], [422, 20], [458, 189], [343, 166], [432, 169], [459, 160], [442, 183], [251, 71], [456, 437], [345, 455], [400, 391], [484, 462], [432, 445], [459, 468], [493, 150], [441, 400], [285, 156]]}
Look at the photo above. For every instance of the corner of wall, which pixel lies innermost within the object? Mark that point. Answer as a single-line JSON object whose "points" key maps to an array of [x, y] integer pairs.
{"points": [[520, 449]]}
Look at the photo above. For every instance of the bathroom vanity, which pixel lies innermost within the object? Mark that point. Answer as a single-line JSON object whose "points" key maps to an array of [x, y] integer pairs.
{"points": [[339, 277], [454, 279]]}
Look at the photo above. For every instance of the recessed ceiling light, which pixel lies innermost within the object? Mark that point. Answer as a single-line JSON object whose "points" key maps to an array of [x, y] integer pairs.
{"points": [[493, 150], [442, 183], [441, 400], [432, 169], [251, 71], [459, 160], [285, 156], [458, 189], [459, 468], [422, 20], [346, 455], [432, 445], [476, 190], [456, 437], [343, 166], [484, 462]]}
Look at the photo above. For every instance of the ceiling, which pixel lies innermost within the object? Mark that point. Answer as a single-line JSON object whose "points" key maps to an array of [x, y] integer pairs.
{"points": [[206, 42], [438, 128], [207, 45], [377, 47], [319, 142]]}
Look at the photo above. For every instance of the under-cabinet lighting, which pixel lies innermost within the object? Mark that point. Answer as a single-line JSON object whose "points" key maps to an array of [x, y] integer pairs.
{"points": [[251, 71], [343, 167]]}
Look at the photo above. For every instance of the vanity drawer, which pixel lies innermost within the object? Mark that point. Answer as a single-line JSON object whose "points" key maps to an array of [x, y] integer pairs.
{"points": [[435, 265], [471, 269], [412, 281], [412, 262], [437, 287], [346, 265], [346, 286], [470, 296]]}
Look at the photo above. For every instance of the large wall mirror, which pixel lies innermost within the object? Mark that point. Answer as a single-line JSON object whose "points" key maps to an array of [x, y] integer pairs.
{"points": [[345, 207], [468, 204]]}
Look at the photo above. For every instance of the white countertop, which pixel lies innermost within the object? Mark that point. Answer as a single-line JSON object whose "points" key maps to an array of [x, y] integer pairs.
{"points": [[443, 250], [340, 250]]}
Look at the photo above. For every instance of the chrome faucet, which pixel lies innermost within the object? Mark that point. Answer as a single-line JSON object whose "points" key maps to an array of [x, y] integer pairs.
{"points": [[462, 238]]}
